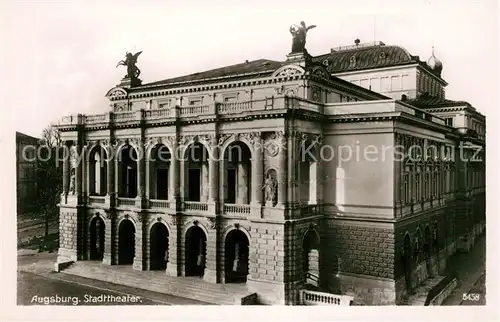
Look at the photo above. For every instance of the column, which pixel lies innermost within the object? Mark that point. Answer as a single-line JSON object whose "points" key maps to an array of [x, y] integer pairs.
{"points": [[118, 177], [140, 257], [282, 172], [183, 176], [66, 170], [140, 175], [149, 180], [242, 175], [173, 243], [257, 174], [204, 182], [109, 257], [213, 173], [110, 193], [313, 183]]}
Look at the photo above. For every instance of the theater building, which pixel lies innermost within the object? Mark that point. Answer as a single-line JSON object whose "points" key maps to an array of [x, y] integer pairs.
{"points": [[242, 174]]}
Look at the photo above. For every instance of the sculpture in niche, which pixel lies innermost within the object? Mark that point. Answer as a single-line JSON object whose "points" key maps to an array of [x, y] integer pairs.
{"points": [[130, 62], [72, 182], [270, 188], [299, 34]]}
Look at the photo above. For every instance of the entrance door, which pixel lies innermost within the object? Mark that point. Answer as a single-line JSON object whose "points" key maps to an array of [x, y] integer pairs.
{"points": [[96, 239], [236, 255], [196, 251], [162, 184], [194, 184], [158, 247], [126, 243]]}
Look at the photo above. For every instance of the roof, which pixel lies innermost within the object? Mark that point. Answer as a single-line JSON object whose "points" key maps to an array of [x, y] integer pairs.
{"points": [[25, 137], [427, 101], [260, 66], [359, 58]]}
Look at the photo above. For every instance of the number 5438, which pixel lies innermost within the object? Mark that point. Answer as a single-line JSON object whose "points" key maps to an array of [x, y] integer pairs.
{"points": [[470, 297]]}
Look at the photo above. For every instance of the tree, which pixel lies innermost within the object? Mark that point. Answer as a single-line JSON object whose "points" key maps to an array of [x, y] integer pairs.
{"points": [[48, 177]]}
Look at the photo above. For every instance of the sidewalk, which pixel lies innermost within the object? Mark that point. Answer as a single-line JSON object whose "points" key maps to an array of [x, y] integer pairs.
{"points": [[470, 268]]}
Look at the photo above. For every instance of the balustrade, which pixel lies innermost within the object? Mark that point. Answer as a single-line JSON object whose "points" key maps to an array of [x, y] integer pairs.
{"points": [[195, 206], [125, 202], [97, 200], [236, 209], [319, 298], [194, 110], [157, 113], [232, 108], [124, 116], [158, 204]]}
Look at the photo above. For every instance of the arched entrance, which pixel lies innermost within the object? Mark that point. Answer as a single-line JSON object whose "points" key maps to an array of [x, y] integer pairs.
{"points": [[310, 259], [96, 238], [126, 243], [196, 251], [407, 262], [236, 257], [158, 251]]}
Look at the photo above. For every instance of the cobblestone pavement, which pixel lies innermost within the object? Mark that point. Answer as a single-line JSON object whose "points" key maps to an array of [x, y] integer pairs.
{"points": [[471, 270]]}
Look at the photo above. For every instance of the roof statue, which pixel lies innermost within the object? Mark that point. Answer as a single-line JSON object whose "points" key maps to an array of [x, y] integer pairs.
{"points": [[130, 61], [299, 36]]}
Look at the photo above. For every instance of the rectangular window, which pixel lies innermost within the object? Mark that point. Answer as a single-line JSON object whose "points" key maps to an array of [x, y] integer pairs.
{"points": [[395, 83], [230, 99], [417, 186], [448, 121], [195, 101], [406, 195], [406, 80], [375, 84], [384, 84]]}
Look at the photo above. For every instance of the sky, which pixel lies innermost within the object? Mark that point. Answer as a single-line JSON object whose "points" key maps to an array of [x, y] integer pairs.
{"points": [[60, 56]]}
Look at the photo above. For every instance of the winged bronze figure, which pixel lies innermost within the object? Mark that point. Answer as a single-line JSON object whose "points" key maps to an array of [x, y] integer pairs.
{"points": [[130, 62], [299, 34]]}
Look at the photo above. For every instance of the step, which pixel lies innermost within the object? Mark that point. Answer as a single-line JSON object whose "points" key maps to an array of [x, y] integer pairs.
{"points": [[187, 287]]}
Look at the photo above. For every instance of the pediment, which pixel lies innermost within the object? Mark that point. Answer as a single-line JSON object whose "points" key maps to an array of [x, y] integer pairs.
{"points": [[116, 93], [289, 71]]}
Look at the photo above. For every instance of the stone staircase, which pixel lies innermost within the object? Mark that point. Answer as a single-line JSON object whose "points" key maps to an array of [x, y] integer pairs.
{"points": [[157, 281]]}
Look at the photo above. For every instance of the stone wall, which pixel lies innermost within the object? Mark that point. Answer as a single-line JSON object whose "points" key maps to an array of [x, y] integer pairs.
{"points": [[68, 235]]}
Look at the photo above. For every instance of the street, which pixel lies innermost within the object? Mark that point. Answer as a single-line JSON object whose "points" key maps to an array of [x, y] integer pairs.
{"points": [[471, 270], [38, 290]]}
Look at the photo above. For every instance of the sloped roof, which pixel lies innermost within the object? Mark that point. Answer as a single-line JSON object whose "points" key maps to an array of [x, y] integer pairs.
{"points": [[260, 66], [369, 57], [427, 101], [25, 137]]}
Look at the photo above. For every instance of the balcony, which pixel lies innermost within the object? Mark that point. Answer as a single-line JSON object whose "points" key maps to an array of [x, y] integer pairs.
{"points": [[238, 210], [159, 115], [195, 206], [125, 202], [97, 200], [159, 204]]}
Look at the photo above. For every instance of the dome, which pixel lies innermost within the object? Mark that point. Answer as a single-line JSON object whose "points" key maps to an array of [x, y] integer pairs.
{"points": [[435, 64]]}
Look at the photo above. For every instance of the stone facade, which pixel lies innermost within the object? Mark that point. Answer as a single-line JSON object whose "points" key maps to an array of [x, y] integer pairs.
{"points": [[282, 212]]}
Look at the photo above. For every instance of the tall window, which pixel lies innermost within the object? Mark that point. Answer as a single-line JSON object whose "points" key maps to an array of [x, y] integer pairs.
{"points": [[427, 190], [417, 185], [448, 121], [406, 188]]}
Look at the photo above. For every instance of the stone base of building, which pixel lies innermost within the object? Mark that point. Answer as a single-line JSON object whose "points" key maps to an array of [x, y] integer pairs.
{"points": [[368, 290], [65, 257], [210, 276], [268, 293]]}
